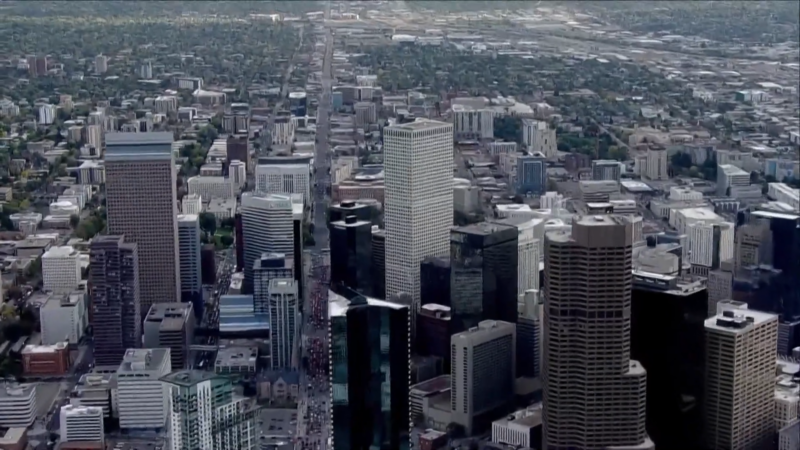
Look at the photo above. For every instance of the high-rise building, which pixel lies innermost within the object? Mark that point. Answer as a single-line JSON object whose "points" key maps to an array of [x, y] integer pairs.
{"points": [[205, 414], [483, 274], [269, 267], [115, 298], [47, 114], [418, 205], [283, 311], [434, 273], [141, 396], [351, 255], [668, 314], [237, 174], [146, 70], [140, 204], [433, 332], [483, 366], [539, 137], [529, 335], [267, 227], [61, 269], [531, 174], [284, 179], [530, 239], [170, 325], [339, 211], [604, 169], [594, 393], [657, 164], [81, 423], [739, 386], [370, 373], [238, 149], [189, 254], [378, 262], [192, 204]]}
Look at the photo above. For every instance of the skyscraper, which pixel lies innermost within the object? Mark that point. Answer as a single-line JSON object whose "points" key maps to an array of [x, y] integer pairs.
{"points": [[532, 174], [740, 380], [378, 262], [594, 394], [370, 376], [529, 335], [205, 414], [351, 254], [189, 254], [482, 373], [269, 267], [434, 272], [668, 314], [283, 310], [115, 302], [483, 274], [267, 227], [140, 204], [418, 163]]}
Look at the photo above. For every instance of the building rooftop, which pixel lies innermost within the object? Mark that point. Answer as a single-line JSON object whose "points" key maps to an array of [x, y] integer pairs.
{"points": [[29, 349], [738, 321], [674, 285], [483, 228], [421, 124], [12, 390], [730, 169], [700, 214], [141, 359], [601, 220], [282, 286], [338, 305], [188, 218], [236, 356], [432, 386], [153, 137], [57, 301], [187, 378], [525, 418]]}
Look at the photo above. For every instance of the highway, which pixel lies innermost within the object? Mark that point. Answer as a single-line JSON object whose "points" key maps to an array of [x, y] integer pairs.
{"points": [[314, 401]]}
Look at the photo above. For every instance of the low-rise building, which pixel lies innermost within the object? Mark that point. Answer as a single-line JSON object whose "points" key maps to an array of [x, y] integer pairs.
{"points": [[46, 360], [280, 387], [63, 318], [236, 360], [97, 389], [519, 429], [14, 438], [81, 423]]}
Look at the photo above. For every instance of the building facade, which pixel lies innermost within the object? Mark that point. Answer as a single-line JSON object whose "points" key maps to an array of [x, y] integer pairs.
{"points": [[142, 398], [283, 321], [140, 204], [579, 318], [418, 213], [351, 255], [171, 325], [115, 298], [61, 269], [369, 407], [189, 257], [267, 227]]}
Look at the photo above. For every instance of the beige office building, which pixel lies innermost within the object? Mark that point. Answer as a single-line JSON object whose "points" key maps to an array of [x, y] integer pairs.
{"points": [[739, 404], [482, 372], [140, 204], [594, 394]]}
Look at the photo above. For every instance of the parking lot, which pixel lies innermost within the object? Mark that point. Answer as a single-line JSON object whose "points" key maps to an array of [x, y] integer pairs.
{"points": [[277, 422]]}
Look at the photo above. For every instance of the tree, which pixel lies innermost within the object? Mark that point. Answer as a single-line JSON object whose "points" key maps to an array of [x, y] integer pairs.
{"points": [[455, 431], [681, 160], [226, 240], [35, 268], [229, 222], [508, 128], [208, 223], [618, 153], [74, 221]]}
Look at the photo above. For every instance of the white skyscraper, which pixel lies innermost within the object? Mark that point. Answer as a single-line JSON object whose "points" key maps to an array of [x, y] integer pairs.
{"points": [[237, 172], [267, 227], [741, 350], [283, 179], [81, 423], [418, 164], [61, 269], [539, 137], [283, 304], [189, 255], [657, 164], [100, 64]]}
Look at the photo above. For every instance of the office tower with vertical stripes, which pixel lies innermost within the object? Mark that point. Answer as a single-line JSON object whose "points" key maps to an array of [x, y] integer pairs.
{"points": [[594, 394], [418, 164]]}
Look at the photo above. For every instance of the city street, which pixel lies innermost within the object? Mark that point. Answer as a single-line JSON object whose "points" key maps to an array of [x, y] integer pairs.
{"points": [[313, 424]]}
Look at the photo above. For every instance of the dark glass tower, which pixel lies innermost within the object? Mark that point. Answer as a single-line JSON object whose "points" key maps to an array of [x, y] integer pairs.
{"points": [[379, 263], [483, 274], [668, 339], [369, 353], [351, 254], [339, 211], [434, 281]]}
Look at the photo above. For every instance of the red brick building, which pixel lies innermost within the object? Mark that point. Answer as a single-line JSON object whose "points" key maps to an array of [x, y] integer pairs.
{"points": [[46, 360]]}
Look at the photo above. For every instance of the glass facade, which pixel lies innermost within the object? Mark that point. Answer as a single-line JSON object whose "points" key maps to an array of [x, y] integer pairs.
{"points": [[351, 255], [483, 280], [370, 377]]}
